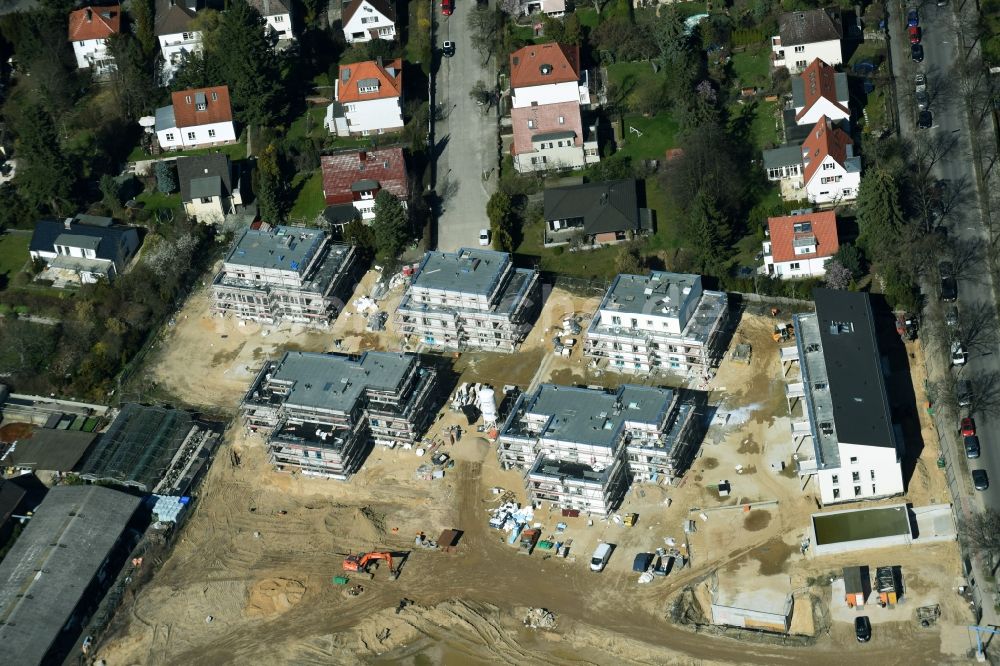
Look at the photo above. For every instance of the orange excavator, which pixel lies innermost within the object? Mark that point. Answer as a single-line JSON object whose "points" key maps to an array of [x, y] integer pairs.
{"points": [[363, 561]]}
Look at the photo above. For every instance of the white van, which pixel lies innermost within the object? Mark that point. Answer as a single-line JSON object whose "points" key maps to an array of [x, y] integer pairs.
{"points": [[601, 556]]}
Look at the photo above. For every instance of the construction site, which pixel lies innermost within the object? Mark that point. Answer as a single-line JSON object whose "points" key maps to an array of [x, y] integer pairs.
{"points": [[431, 552]]}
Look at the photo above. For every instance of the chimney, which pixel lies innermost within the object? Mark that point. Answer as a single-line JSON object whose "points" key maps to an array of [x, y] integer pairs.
{"points": [[68, 223], [89, 14], [378, 60], [362, 156]]}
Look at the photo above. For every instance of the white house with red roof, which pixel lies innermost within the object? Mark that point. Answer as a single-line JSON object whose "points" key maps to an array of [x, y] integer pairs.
{"points": [[548, 90], [800, 244], [368, 99], [830, 169], [820, 91], [353, 178], [365, 20], [196, 119], [89, 30]]}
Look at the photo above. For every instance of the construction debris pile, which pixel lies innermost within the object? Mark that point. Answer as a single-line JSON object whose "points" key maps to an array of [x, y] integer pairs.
{"points": [[510, 516], [539, 618]]}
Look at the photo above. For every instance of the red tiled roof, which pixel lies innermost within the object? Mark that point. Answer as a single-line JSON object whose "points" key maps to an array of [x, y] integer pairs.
{"points": [[545, 119], [343, 170], [824, 139], [541, 64], [218, 109], [783, 235], [389, 78], [818, 81], [94, 23]]}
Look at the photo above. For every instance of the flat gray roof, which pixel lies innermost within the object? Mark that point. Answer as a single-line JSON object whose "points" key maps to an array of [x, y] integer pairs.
{"points": [[466, 271], [78, 240], [43, 577], [649, 294], [50, 449], [590, 416], [281, 248], [336, 381], [788, 155]]}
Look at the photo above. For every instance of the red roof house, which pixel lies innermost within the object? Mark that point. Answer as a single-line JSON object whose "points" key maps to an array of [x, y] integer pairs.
{"points": [[800, 245], [355, 177], [94, 23], [542, 64]]}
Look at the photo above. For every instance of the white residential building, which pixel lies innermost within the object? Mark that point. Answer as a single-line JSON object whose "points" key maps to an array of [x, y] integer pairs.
{"points": [[800, 244], [196, 119], [805, 36], [659, 322], [278, 19], [83, 249], [365, 20], [820, 91], [368, 99], [175, 31], [581, 448], [89, 30], [210, 187], [823, 169], [839, 402]]}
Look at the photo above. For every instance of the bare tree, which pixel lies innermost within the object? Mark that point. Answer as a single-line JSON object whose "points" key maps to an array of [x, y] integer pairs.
{"points": [[985, 398], [977, 324], [982, 533], [968, 258], [486, 26]]}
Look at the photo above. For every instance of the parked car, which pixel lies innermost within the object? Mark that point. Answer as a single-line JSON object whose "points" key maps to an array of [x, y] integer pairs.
{"points": [[914, 34], [923, 100], [862, 628], [447, 7], [980, 480], [951, 317], [920, 82], [484, 237], [925, 120], [968, 427], [448, 49], [957, 353], [949, 286], [916, 52], [642, 562], [912, 18], [963, 391], [601, 555], [972, 447]]}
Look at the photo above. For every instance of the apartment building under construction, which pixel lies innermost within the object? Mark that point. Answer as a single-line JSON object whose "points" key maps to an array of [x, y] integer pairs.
{"points": [[323, 412], [470, 299], [284, 274]]}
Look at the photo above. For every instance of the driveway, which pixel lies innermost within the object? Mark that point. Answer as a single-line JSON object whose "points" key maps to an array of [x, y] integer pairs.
{"points": [[965, 224], [466, 138]]}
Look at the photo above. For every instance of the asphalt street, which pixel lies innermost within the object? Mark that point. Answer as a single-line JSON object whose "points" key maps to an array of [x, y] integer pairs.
{"points": [[466, 138], [964, 224]]}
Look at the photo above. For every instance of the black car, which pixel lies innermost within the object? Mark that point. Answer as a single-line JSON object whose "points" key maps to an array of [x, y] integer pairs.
{"points": [[972, 447], [448, 49], [862, 628], [980, 480], [917, 52], [949, 287], [925, 120]]}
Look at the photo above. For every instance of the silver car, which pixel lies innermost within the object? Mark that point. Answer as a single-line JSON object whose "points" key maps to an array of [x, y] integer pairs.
{"points": [[923, 100]]}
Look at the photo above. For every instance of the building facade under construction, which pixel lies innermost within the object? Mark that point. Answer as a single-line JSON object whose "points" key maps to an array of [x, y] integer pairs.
{"points": [[581, 448], [284, 274], [660, 322], [322, 413], [470, 299]]}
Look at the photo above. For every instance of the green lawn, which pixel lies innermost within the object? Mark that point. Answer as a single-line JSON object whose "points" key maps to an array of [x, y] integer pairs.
{"points": [[752, 67], [589, 264], [309, 124], [658, 134], [630, 76], [156, 201], [13, 254], [668, 233], [236, 151], [764, 129], [309, 201]]}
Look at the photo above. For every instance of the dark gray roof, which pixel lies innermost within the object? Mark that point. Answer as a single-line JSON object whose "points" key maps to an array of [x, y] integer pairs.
{"points": [[206, 186], [11, 496], [47, 231], [341, 214], [190, 169], [172, 17], [854, 368], [50, 449], [783, 156], [554, 136], [808, 27], [604, 207], [794, 134], [44, 576], [269, 7]]}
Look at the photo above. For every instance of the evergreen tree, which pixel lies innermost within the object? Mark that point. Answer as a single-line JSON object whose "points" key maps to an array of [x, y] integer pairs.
{"points": [[360, 235], [248, 64], [166, 177], [132, 78], [143, 18], [499, 210], [44, 176], [708, 233], [879, 215], [390, 226], [272, 195]]}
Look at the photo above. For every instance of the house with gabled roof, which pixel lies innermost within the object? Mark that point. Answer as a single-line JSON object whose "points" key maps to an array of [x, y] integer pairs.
{"points": [[805, 36], [83, 249], [89, 30], [355, 177], [820, 91], [174, 29], [800, 244], [196, 119], [277, 15], [822, 169], [549, 90], [210, 187], [365, 20], [368, 99], [599, 213]]}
